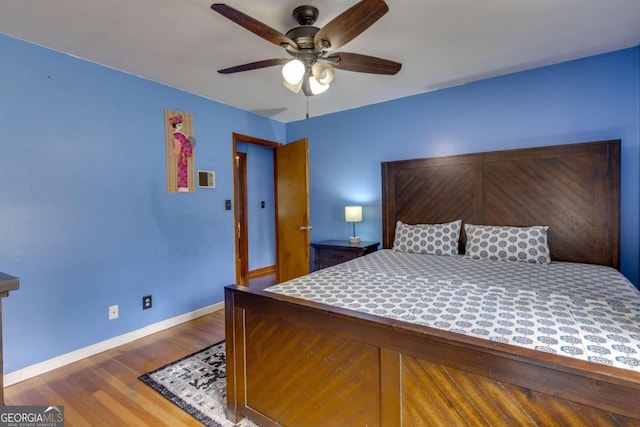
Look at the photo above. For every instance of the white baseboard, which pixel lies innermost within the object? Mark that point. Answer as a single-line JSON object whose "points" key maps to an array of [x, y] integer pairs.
{"points": [[82, 353]]}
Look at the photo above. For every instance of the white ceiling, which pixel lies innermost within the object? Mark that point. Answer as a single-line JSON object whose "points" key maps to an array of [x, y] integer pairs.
{"points": [[441, 43]]}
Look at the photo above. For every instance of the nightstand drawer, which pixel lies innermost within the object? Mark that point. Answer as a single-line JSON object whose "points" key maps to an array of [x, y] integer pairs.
{"points": [[334, 256], [333, 252]]}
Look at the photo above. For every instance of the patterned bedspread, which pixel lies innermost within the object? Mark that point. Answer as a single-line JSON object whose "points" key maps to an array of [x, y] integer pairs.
{"points": [[584, 311]]}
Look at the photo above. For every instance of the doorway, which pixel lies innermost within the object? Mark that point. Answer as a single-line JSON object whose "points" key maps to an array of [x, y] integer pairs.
{"points": [[290, 207], [243, 148]]}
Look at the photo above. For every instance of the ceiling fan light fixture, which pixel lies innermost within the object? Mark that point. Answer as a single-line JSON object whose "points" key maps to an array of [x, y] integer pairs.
{"points": [[316, 87], [293, 71], [295, 88], [311, 69], [323, 72]]}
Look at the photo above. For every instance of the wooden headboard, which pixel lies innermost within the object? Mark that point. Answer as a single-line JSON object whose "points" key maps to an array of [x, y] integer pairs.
{"points": [[574, 189]]}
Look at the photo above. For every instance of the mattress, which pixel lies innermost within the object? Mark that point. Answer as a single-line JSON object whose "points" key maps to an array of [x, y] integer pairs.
{"points": [[584, 311]]}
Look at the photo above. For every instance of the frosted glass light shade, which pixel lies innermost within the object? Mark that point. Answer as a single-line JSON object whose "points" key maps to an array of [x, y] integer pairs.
{"points": [[323, 72], [316, 87], [293, 71], [353, 213], [295, 88]]}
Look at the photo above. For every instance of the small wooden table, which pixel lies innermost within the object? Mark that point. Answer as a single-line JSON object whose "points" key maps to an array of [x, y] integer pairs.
{"points": [[7, 283], [332, 252]]}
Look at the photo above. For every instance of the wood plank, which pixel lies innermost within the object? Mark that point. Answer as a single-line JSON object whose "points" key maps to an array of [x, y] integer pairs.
{"points": [[104, 389], [390, 388], [37, 392], [574, 189], [342, 378]]}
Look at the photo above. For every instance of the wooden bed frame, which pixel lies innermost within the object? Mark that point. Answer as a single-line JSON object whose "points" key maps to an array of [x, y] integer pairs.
{"points": [[298, 363]]}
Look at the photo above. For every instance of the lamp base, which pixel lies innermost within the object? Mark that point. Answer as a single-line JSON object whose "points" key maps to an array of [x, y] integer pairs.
{"points": [[354, 240]]}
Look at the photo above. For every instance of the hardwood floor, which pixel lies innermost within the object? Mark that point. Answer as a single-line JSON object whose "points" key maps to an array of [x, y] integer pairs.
{"points": [[104, 390]]}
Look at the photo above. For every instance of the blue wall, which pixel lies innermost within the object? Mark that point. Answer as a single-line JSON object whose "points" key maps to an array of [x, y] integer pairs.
{"points": [[86, 222], [592, 99], [85, 218]]}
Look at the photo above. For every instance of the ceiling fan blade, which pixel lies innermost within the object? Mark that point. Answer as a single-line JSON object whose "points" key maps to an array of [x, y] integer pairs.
{"points": [[363, 63], [253, 25], [254, 66], [350, 23]]}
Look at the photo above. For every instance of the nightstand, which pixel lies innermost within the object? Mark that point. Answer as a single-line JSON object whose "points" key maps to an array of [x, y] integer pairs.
{"points": [[332, 252]]}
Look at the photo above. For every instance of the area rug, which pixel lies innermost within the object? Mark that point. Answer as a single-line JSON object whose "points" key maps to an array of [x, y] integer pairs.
{"points": [[197, 384]]}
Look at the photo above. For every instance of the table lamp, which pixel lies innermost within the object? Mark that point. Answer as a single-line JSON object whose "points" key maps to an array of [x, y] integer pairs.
{"points": [[353, 214]]}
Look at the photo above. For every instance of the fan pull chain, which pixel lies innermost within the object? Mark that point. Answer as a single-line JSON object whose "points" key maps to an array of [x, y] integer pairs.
{"points": [[307, 98]]}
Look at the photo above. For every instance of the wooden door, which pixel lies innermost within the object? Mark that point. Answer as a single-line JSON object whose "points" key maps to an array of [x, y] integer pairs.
{"points": [[292, 210]]}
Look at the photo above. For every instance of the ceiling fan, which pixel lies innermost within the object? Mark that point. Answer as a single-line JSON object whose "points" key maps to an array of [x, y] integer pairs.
{"points": [[313, 61]]}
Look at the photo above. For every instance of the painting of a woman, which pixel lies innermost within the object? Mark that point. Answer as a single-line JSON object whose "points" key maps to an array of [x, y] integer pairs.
{"points": [[183, 148]]}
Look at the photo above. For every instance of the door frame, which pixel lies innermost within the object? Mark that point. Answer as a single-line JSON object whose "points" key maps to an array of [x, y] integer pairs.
{"points": [[238, 138], [242, 239]]}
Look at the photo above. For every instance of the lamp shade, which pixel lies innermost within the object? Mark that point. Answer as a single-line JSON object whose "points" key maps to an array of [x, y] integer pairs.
{"points": [[323, 72], [293, 71], [295, 88], [316, 87], [353, 213]]}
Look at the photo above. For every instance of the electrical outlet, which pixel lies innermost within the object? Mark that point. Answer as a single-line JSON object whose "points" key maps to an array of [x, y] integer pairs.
{"points": [[146, 302], [113, 312]]}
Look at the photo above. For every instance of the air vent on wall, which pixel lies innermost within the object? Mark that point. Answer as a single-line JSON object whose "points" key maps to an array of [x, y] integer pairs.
{"points": [[206, 179]]}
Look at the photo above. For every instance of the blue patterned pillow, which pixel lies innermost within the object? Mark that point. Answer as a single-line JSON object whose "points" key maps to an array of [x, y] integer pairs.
{"points": [[432, 239], [527, 244]]}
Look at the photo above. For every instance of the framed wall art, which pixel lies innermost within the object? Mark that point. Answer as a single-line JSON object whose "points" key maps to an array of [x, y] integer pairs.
{"points": [[180, 150]]}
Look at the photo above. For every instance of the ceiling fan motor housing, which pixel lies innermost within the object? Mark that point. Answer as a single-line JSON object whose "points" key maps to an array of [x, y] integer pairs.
{"points": [[303, 36], [305, 15]]}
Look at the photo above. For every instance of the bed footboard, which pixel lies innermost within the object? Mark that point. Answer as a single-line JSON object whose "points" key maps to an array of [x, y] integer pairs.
{"points": [[297, 363]]}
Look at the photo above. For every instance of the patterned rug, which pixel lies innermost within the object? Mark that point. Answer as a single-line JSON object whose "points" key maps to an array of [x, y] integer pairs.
{"points": [[197, 384]]}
